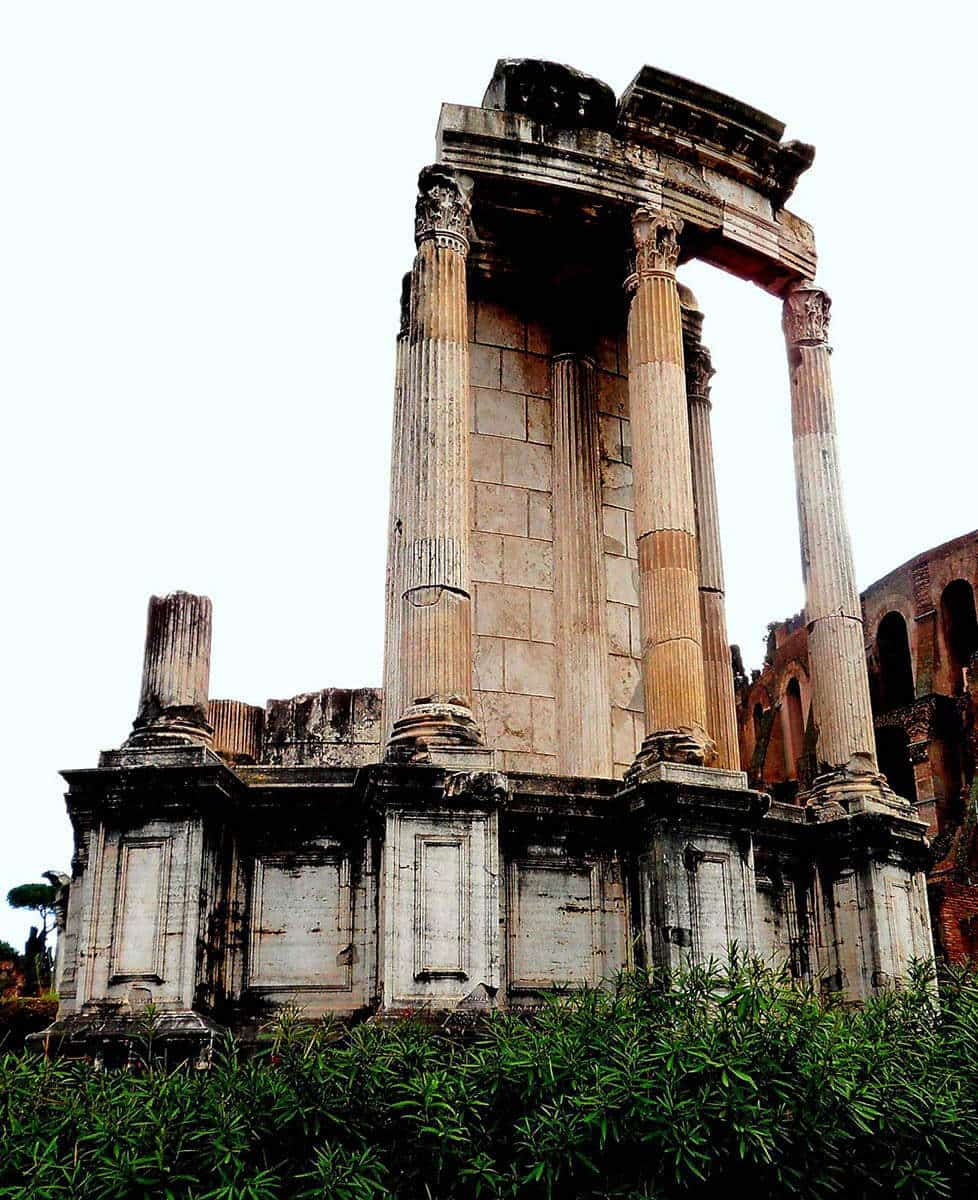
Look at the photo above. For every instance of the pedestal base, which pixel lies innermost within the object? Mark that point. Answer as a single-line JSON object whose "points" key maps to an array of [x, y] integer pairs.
{"points": [[687, 746], [118, 1036], [440, 734], [170, 729], [856, 788]]}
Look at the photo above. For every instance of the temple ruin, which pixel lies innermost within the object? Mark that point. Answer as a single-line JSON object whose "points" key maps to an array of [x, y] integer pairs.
{"points": [[548, 788]]}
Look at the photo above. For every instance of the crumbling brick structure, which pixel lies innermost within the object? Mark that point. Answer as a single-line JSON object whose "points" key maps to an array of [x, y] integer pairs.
{"points": [[549, 787], [922, 658]]}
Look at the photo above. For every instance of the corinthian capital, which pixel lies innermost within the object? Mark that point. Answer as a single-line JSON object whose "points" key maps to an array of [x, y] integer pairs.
{"points": [[443, 208], [699, 372], [656, 235], [805, 316]]}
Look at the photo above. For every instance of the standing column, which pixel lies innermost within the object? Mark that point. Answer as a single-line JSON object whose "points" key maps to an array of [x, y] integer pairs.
{"points": [[840, 682], [583, 699], [436, 605], [176, 673], [721, 708], [672, 655], [393, 674]]}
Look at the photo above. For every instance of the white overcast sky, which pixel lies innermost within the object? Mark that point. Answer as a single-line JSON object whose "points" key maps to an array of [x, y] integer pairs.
{"points": [[205, 213]]}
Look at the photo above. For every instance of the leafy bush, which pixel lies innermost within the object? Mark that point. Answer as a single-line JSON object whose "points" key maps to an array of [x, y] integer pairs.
{"points": [[729, 1081]]}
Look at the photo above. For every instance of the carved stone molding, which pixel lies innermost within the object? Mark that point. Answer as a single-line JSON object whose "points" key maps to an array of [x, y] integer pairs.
{"points": [[444, 208], [489, 787], [918, 752], [656, 236], [806, 316]]}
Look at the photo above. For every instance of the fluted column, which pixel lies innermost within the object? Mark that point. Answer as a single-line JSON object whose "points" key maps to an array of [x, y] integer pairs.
{"points": [[396, 529], [583, 699], [672, 654], [436, 607], [238, 729], [840, 682], [176, 673], [721, 707]]}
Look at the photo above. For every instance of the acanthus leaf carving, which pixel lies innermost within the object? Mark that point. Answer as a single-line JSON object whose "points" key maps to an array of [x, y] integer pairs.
{"points": [[444, 207], [699, 371], [806, 316], [656, 236]]}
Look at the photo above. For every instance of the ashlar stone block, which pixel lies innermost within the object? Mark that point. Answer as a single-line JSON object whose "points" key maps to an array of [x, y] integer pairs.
{"points": [[541, 516], [486, 366], [619, 641], [527, 373], [615, 535], [526, 464], [541, 616], [486, 455], [539, 420], [488, 665], [502, 414], [487, 557], [612, 394], [625, 683], [622, 576], [502, 611], [527, 562], [497, 325], [507, 721], [529, 668], [500, 509]]}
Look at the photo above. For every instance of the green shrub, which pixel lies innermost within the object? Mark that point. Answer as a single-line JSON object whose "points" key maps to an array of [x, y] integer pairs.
{"points": [[729, 1081]]}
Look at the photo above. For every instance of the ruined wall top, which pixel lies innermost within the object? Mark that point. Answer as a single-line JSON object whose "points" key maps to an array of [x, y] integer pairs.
{"points": [[667, 142], [661, 110]]}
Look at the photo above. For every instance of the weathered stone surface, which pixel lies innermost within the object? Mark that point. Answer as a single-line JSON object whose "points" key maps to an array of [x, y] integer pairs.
{"points": [[176, 672], [672, 664], [552, 93], [554, 623], [337, 727], [721, 714], [238, 730], [434, 655]]}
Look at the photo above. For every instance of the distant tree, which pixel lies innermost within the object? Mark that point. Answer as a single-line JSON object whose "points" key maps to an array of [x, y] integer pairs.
{"points": [[10, 962], [37, 896], [38, 963]]}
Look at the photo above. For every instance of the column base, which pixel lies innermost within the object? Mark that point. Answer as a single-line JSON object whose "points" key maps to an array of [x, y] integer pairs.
{"points": [[169, 731], [690, 746], [440, 734], [855, 788]]}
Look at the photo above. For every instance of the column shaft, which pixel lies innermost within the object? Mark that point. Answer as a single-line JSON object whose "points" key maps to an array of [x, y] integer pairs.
{"points": [[583, 699], [176, 672], [397, 525], [672, 656], [436, 606], [840, 682], [721, 707]]}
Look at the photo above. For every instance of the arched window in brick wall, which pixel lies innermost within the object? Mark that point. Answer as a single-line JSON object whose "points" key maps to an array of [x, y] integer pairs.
{"points": [[892, 750], [959, 626], [894, 665], [794, 720]]}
